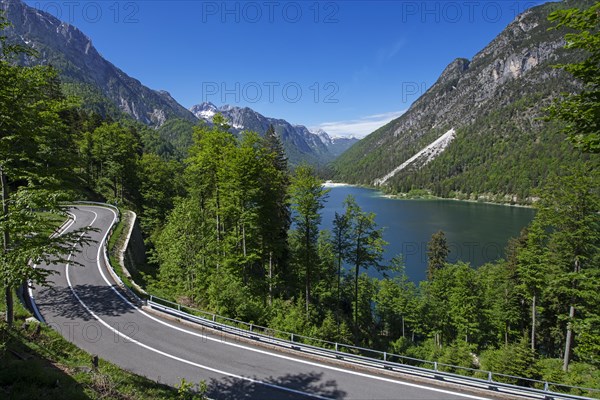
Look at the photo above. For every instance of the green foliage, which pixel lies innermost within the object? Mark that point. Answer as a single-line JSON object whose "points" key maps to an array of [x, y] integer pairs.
{"points": [[42, 364], [579, 374], [224, 244], [177, 133], [220, 220], [516, 360], [290, 316], [188, 391], [395, 307], [503, 150], [114, 153], [500, 302], [568, 217], [581, 111], [365, 251], [453, 318], [458, 354], [34, 170], [437, 253], [307, 197], [159, 184], [92, 100]]}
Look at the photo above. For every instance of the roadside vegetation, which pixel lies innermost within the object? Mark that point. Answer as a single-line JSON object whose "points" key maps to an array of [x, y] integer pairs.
{"points": [[230, 229], [37, 362]]}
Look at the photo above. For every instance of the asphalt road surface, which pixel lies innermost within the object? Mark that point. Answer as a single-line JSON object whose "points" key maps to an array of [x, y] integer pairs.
{"points": [[88, 308]]}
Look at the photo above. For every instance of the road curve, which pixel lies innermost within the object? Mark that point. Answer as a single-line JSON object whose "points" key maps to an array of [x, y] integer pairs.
{"points": [[86, 306]]}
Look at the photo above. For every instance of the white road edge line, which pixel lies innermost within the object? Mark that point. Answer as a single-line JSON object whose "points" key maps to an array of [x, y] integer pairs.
{"points": [[116, 332], [36, 310], [204, 337]]}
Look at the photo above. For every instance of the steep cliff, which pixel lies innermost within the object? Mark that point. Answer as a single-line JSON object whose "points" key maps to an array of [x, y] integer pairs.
{"points": [[494, 103], [83, 69]]}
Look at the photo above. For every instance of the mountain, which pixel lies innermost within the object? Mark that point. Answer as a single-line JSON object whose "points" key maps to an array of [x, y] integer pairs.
{"points": [[85, 72], [335, 144], [109, 91], [301, 145], [477, 131]]}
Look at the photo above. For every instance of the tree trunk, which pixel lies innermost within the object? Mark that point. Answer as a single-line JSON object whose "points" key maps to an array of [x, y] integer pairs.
{"points": [[506, 323], [244, 240], [356, 273], [10, 307], [403, 335], [533, 312], [307, 278], [339, 282], [270, 277], [569, 339], [218, 223], [5, 245]]}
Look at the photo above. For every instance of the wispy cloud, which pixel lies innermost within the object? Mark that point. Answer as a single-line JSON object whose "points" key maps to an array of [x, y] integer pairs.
{"points": [[388, 52], [381, 56], [359, 127]]}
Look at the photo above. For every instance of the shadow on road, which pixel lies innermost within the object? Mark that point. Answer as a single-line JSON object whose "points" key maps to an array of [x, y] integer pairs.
{"points": [[311, 384], [102, 300]]}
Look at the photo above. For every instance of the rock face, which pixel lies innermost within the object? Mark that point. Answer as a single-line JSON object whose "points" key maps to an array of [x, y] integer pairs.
{"points": [[301, 144], [73, 54], [97, 81], [516, 65], [335, 144]]}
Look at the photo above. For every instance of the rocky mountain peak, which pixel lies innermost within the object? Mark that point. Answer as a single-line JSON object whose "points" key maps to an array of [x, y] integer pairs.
{"points": [[455, 70], [513, 69], [69, 50], [300, 143]]}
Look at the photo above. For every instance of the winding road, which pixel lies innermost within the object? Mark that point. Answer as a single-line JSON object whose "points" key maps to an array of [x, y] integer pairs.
{"points": [[88, 308]]}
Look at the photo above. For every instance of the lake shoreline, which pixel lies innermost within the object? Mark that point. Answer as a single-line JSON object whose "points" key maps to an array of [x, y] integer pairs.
{"points": [[400, 197], [405, 196]]}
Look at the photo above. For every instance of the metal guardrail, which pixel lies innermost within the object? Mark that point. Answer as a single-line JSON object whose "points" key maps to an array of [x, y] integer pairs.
{"points": [[349, 353], [346, 352]]}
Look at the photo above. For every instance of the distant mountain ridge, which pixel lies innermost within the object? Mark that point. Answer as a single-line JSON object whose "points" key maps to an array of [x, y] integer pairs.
{"points": [[300, 143], [493, 103], [335, 144], [73, 54], [109, 91]]}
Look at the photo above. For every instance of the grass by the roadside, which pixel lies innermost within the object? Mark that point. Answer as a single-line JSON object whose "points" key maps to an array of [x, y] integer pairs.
{"points": [[37, 362], [55, 220]]}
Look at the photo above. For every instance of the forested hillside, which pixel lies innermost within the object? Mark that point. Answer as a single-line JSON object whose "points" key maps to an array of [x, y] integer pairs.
{"points": [[232, 230], [496, 103], [228, 247]]}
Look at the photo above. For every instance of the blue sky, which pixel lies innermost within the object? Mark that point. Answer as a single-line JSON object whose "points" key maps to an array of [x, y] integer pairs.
{"points": [[345, 66]]}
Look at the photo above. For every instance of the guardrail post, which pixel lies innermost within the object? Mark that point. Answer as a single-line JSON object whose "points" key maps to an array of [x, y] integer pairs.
{"points": [[545, 394], [178, 307]]}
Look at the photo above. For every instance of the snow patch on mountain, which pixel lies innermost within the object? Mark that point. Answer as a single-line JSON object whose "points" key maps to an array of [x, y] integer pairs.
{"points": [[424, 156]]}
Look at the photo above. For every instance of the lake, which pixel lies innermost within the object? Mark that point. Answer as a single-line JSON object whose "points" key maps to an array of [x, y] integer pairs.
{"points": [[476, 232]]}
